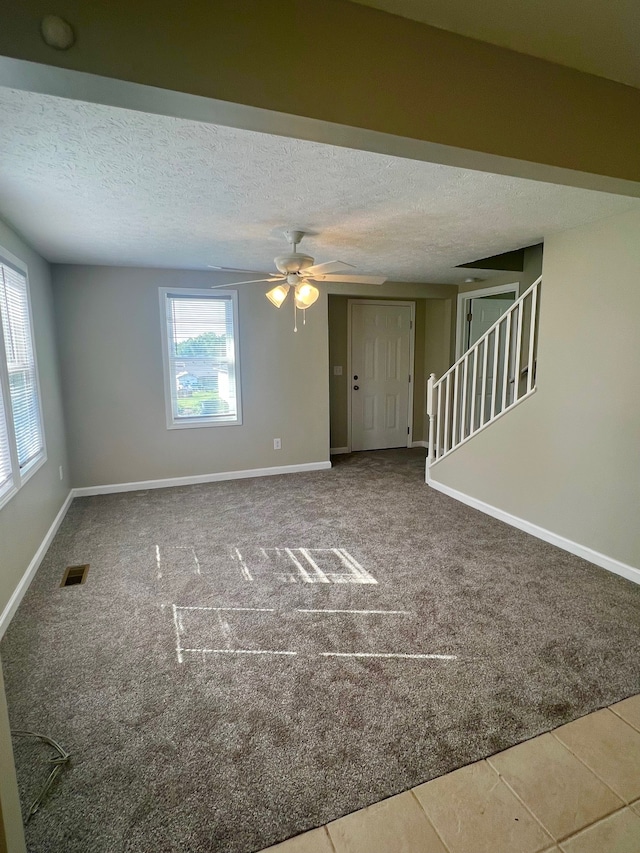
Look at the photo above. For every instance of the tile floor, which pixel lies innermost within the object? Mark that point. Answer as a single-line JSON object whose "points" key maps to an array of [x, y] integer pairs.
{"points": [[573, 790]]}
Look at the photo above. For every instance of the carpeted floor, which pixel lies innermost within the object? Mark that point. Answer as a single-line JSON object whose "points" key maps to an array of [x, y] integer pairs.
{"points": [[252, 658]]}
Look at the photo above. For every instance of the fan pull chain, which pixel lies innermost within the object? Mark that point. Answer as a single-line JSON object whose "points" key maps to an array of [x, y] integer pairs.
{"points": [[295, 317], [304, 317]]}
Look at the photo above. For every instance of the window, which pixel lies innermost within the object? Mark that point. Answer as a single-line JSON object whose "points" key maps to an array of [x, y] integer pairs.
{"points": [[21, 435], [200, 358]]}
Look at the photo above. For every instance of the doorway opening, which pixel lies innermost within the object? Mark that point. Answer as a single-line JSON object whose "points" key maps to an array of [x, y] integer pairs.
{"points": [[479, 309]]}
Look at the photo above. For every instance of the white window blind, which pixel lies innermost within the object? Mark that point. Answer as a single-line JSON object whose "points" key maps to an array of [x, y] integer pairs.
{"points": [[6, 473], [201, 358], [21, 367]]}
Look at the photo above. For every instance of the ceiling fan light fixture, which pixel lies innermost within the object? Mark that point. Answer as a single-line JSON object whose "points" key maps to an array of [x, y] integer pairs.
{"points": [[306, 294], [278, 294]]}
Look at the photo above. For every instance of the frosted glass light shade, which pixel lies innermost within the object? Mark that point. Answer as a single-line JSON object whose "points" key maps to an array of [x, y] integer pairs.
{"points": [[306, 295], [278, 294]]}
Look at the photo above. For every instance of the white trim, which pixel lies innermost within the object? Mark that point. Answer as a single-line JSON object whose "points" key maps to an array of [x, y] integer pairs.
{"points": [[10, 489], [195, 423], [112, 488], [420, 444], [412, 365], [335, 451], [473, 294], [609, 563], [20, 475], [32, 568], [30, 469]]}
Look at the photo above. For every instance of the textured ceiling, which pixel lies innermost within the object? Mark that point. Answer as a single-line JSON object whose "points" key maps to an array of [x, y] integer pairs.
{"points": [[601, 37], [86, 183]]}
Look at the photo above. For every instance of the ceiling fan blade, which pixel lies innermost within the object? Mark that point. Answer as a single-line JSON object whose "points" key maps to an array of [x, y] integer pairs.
{"points": [[235, 269], [321, 269], [252, 281], [352, 279]]}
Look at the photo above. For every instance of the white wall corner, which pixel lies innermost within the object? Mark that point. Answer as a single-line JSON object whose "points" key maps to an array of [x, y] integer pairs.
{"points": [[605, 562], [32, 568], [420, 444]]}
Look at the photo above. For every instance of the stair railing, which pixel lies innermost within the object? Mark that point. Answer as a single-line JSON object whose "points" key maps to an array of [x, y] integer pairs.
{"points": [[491, 377]]}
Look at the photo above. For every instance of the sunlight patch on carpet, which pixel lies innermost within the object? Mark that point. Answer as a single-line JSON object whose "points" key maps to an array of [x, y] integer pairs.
{"points": [[302, 565], [313, 632]]}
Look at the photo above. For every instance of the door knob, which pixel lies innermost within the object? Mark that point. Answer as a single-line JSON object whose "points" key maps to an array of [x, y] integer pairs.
{"points": [[356, 387]]}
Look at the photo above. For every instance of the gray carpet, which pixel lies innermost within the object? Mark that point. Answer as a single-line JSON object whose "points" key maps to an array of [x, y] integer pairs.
{"points": [[182, 740]]}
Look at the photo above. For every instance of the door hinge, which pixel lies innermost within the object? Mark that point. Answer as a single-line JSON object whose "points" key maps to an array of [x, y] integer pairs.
{"points": [[469, 317], [408, 430], [411, 324]]}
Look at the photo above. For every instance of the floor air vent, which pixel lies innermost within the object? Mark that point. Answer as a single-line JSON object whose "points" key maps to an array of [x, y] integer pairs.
{"points": [[74, 575]]}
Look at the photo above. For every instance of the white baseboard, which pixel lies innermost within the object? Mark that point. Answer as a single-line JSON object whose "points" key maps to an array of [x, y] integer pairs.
{"points": [[602, 560], [32, 568], [420, 444], [112, 488], [335, 451]]}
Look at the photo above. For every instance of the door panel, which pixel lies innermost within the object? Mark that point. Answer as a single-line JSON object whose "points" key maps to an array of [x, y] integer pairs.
{"points": [[485, 312], [369, 414], [380, 359]]}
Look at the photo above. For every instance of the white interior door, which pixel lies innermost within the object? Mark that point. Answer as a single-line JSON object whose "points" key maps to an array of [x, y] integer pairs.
{"points": [[484, 313], [379, 380]]}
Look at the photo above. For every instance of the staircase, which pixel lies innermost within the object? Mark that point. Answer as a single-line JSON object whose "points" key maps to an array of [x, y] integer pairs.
{"points": [[493, 376]]}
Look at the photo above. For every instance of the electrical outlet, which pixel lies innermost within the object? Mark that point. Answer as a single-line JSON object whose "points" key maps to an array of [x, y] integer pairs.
{"points": [[277, 444], [60, 472]]}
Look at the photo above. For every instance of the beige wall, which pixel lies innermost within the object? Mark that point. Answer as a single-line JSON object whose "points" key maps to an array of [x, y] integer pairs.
{"points": [[377, 71], [433, 349], [568, 458], [25, 519], [439, 341], [111, 363]]}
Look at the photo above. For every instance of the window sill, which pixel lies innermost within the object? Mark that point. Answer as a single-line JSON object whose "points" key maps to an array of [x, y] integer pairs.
{"points": [[24, 477], [32, 467], [196, 424], [5, 497]]}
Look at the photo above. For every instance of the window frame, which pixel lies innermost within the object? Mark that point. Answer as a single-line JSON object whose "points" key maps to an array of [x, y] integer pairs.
{"points": [[207, 420], [19, 477]]}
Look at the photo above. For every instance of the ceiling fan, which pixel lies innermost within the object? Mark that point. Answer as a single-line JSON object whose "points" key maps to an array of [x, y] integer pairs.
{"points": [[297, 270]]}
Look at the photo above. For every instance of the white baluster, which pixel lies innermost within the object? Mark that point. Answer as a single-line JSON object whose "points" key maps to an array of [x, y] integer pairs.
{"points": [[483, 392], [430, 413], [447, 408], [439, 420], [516, 372], [472, 417], [507, 359], [532, 337], [494, 381], [454, 425], [463, 406]]}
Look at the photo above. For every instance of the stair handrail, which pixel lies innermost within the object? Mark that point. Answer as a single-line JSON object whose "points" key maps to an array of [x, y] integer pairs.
{"points": [[486, 334], [434, 384]]}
